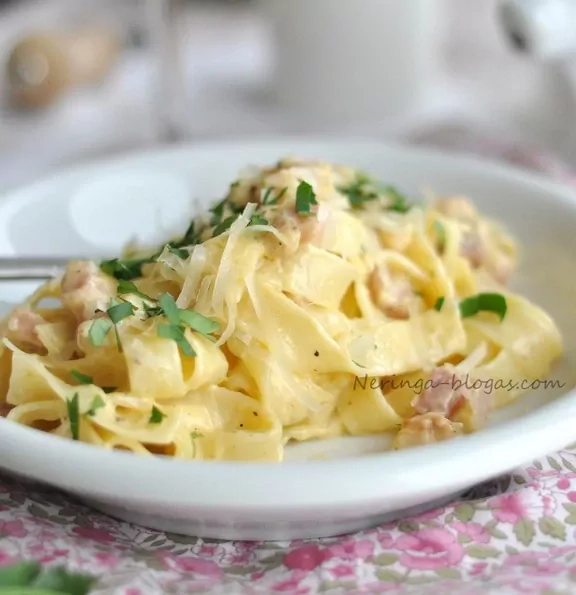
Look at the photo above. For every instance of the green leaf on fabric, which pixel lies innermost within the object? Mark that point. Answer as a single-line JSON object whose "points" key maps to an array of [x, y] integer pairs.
{"points": [[464, 512], [385, 559], [568, 465], [524, 531], [482, 552], [519, 479], [553, 527], [448, 573], [388, 576], [407, 526], [570, 519], [570, 507], [554, 463], [38, 511]]}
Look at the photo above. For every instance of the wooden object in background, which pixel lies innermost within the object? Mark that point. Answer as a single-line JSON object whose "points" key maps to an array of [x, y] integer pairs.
{"points": [[42, 67]]}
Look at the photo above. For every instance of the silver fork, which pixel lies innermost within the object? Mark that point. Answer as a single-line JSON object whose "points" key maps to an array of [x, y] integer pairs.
{"points": [[31, 268]]}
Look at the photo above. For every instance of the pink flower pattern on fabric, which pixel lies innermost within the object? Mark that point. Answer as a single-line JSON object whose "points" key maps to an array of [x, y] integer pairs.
{"points": [[429, 549]]}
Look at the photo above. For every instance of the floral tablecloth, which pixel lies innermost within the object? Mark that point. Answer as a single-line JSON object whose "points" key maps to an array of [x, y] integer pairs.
{"points": [[516, 534]]}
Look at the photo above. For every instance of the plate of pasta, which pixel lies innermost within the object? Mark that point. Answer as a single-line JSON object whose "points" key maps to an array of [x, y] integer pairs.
{"points": [[286, 338]]}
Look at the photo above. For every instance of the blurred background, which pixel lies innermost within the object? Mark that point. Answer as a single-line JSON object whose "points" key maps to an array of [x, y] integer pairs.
{"points": [[81, 79]]}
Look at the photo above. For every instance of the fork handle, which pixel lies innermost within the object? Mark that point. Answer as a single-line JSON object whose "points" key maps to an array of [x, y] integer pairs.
{"points": [[31, 268]]}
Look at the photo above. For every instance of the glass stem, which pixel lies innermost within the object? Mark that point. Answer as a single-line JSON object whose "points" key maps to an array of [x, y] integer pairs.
{"points": [[168, 90]]}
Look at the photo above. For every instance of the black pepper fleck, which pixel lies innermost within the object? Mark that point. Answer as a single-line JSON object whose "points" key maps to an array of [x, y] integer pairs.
{"points": [[241, 425], [316, 353], [254, 412]]}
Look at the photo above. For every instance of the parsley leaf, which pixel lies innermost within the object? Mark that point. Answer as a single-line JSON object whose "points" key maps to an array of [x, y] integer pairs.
{"points": [[152, 311], [217, 212], [305, 198], [119, 312], [400, 202], [224, 225], [258, 220], [176, 333], [73, 416], [484, 302], [109, 389], [125, 287], [127, 269], [357, 193], [97, 403], [81, 378], [439, 303], [179, 252], [156, 416], [267, 198], [198, 323], [98, 331], [171, 310], [267, 195], [440, 233]]}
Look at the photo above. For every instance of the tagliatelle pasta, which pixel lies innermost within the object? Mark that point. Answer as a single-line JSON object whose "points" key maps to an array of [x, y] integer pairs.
{"points": [[310, 303]]}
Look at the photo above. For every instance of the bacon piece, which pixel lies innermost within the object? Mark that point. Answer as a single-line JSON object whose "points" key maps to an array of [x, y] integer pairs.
{"points": [[85, 289], [392, 294], [472, 248], [450, 395], [22, 328], [426, 429]]}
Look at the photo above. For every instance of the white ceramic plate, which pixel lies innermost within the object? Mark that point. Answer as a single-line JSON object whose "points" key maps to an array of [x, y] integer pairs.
{"points": [[94, 210]]}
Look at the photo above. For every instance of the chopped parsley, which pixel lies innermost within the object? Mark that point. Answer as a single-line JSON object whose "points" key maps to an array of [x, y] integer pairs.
{"points": [[170, 309], [127, 269], [267, 199], [156, 416], [97, 403], [484, 302], [400, 202], [224, 225], [119, 312], [176, 333], [439, 303], [74, 416], [102, 326], [81, 378], [359, 192], [305, 198], [98, 331], [364, 190], [217, 212], [178, 319], [179, 252], [258, 220], [152, 311], [197, 322], [125, 287]]}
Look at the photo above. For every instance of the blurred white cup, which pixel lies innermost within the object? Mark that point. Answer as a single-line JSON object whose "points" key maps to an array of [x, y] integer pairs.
{"points": [[347, 62]]}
